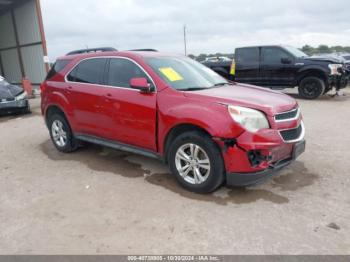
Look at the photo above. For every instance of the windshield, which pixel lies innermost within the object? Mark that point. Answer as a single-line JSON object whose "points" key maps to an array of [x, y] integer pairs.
{"points": [[295, 51], [183, 73], [347, 57]]}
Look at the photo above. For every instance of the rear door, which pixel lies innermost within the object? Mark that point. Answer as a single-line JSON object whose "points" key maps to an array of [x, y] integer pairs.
{"points": [[277, 67], [247, 65], [84, 92], [130, 115]]}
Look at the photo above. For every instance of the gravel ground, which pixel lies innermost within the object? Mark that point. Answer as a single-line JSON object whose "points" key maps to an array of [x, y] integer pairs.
{"points": [[102, 201]]}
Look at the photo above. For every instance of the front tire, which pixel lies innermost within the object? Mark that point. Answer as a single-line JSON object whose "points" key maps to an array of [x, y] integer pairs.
{"points": [[61, 134], [311, 87], [196, 162]]}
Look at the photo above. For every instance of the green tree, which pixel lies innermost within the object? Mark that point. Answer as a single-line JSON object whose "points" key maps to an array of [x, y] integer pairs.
{"points": [[308, 49], [201, 57], [324, 49]]}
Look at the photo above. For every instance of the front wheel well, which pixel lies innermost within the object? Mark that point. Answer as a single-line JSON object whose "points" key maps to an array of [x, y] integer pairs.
{"points": [[178, 130], [51, 111], [313, 73]]}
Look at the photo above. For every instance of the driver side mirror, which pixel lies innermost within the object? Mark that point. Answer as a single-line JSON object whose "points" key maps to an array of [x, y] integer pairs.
{"points": [[140, 84], [286, 60]]}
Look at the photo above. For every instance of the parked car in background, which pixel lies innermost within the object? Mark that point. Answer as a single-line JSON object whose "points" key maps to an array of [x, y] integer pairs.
{"points": [[217, 59], [208, 130], [13, 99], [345, 70], [223, 67], [346, 61], [346, 57], [285, 67]]}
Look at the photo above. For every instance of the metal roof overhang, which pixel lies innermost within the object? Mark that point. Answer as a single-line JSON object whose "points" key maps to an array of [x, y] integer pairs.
{"points": [[7, 5]]}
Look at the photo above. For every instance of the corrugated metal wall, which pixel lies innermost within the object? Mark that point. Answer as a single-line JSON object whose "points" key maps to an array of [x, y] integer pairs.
{"points": [[7, 33], [33, 63], [12, 69], [30, 48], [27, 23]]}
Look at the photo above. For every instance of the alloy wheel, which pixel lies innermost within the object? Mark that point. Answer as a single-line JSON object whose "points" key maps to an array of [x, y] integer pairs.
{"points": [[58, 134], [193, 164]]}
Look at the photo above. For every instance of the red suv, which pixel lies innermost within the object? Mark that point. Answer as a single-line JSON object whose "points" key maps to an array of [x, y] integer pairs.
{"points": [[209, 131]]}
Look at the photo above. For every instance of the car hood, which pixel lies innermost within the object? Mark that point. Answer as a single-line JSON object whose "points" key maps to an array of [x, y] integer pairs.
{"points": [[266, 100], [8, 91], [325, 59]]}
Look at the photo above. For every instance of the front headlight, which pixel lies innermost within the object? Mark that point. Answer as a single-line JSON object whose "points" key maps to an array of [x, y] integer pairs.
{"points": [[21, 96], [334, 68], [250, 119]]}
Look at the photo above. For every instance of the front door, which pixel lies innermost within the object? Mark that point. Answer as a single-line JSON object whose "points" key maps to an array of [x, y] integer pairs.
{"points": [[276, 67], [131, 115]]}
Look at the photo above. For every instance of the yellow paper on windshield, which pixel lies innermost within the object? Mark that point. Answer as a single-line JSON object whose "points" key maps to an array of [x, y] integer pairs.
{"points": [[171, 74]]}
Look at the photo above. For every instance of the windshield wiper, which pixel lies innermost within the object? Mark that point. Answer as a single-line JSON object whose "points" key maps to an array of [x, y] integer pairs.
{"points": [[222, 84], [193, 88]]}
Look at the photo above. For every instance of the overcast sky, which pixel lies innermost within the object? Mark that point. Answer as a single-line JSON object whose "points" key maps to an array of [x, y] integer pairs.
{"points": [[212, 26]]}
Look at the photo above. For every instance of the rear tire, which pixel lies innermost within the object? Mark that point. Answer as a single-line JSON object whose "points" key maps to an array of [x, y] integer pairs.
{"points": [[205, 170], [61, 134], [311, 87]]}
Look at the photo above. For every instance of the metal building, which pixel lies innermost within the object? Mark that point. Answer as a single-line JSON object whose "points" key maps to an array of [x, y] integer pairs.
{"points": [[22, 41]]}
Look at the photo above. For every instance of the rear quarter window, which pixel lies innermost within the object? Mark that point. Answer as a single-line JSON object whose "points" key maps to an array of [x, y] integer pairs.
{"points": [[58, 66]]}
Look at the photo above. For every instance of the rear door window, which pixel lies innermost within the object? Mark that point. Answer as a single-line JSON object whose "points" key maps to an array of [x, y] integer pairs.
{"points": [[89, 71], [247, 55]]}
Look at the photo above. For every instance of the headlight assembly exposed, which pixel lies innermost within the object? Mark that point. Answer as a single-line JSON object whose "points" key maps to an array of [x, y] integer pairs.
{"points": [[251, 119], [21, 96], [334, 68]]}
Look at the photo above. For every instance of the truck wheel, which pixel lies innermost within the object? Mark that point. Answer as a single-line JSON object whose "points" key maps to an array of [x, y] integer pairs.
{"points": [[311, 87], [196, 161], [61, 134]]}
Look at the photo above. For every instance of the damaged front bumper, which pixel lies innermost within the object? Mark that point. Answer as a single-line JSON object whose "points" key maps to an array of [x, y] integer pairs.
{"points": [[249, 179], [254, 157], [13, 105], [339, 81]]}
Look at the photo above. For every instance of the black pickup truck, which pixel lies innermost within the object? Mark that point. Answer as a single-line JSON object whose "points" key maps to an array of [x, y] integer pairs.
{"points": [[281, 67]]}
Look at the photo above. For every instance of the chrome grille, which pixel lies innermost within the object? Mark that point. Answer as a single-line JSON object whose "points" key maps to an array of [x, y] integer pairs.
{"points": [[288, 116], [293, 135]]}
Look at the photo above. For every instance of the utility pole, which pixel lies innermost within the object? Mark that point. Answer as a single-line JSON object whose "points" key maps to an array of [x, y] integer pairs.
{"points": [[185, 40]]}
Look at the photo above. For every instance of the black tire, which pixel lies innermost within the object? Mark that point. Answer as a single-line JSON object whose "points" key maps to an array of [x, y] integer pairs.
{"points": [[311, 87], [217, 168], [71, 143]]}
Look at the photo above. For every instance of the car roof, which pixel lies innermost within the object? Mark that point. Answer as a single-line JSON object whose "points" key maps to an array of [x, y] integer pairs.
{"points": [[130, 54], [257, 46]]}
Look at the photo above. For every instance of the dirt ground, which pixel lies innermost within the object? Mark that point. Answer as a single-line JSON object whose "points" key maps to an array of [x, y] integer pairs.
{"points": [[102, 201]]}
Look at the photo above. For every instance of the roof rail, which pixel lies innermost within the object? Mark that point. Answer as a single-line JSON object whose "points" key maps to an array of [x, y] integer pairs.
{"points": [[92, 50], [144, 50]]}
